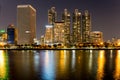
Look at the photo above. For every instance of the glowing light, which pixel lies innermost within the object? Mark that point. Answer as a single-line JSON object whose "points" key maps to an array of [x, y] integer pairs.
{"points": [[111, 55], [24, 6], [101, 43], [48, 69], [46, 58], [2, 43], [3, 69], [62, 60], [73, 51], [101, 63], [73, 58], [101, 54], [1, 57], [117, 66], [118, 42], [90, 61], [27, 32], [48, 26], [2, 31], [91, 51]]}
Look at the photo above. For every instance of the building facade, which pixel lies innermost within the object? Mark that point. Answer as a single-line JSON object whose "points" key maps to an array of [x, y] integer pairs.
{"points": [[76, 27], [49, 34], [66, 18], [3, 35], [59, 33], [26, 24], [52, 15], [11, 35], [86, 27], [96, 37]]}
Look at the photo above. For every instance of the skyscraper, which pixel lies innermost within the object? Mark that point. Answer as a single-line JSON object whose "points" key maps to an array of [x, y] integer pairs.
{"points": [[52, 15], [76, 27], [52, 18], [26, 24], [59, 33], [11, 34], [66, 19], [86, 27], [48, 34]]}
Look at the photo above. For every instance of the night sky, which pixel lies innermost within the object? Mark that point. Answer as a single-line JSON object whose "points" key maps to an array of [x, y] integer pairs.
{"points": [[105, 13]]}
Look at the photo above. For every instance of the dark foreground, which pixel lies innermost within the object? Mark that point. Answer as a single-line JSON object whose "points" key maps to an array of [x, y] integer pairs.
{"points": [[59, 64]]}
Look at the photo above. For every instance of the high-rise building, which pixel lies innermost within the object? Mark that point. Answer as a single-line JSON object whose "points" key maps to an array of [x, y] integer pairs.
{"points": [[26, 24], [76, 27], [49, 34], [52, 15], [66, 19], [11, 35], [96, 37], [59, 33], [86, 27], [52, 18]]}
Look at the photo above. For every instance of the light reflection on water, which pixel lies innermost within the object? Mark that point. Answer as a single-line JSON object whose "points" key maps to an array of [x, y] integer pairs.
{"points": [[90, 61], [62, 60], [48, 65], [73, 59], [117, 66], [3, 66], [60, 65], [101, 63]]}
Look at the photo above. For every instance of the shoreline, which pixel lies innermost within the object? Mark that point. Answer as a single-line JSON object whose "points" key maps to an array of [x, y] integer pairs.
{"points": [[60, 49]]}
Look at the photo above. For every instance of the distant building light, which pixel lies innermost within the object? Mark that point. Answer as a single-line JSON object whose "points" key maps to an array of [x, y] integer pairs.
{"points": [[25, 6], [79, 13], [27, 32], [2, 31], [49, 26], [42, 36], [68, 15]]}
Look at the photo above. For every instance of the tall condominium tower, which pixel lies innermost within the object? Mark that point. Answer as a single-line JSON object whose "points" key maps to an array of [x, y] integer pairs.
{"points": [[66, 20], [86, 27], [48, 34], [52, 15], [59, 33], [26, 24], [76, 22], [52, 18]]}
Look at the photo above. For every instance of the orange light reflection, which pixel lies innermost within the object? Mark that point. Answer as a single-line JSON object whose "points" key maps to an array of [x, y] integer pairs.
{"points": [[101, 63], [2, 65], [117, 66], [62, 60]]}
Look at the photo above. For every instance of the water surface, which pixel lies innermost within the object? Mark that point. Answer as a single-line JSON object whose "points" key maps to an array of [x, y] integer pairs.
{"points": [[60, 65]]}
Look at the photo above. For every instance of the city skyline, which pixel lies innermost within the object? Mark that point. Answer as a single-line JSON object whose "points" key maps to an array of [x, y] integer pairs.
{"points": [[105, 14]]}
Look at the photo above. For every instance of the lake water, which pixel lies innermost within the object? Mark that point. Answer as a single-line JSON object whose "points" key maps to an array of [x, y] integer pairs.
{"points": [[60, 65]]}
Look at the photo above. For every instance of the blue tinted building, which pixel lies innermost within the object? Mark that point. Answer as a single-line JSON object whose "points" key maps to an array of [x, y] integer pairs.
{"points": [[11, 34]]}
